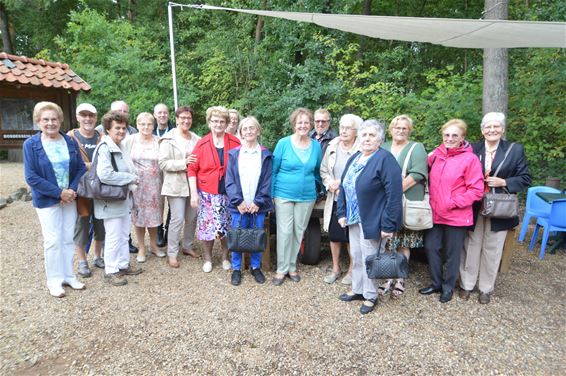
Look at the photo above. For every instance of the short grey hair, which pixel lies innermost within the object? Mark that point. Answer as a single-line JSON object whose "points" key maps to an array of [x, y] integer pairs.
{"points": [[349, 119], [493, 116], [378, 125]]}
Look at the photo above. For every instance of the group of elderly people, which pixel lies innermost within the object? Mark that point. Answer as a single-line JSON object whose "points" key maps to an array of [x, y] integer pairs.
{"points": [[228, 179]]}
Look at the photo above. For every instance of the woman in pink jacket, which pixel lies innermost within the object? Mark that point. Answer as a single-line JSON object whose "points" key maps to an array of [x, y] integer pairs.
{"points": [[455, 183]]}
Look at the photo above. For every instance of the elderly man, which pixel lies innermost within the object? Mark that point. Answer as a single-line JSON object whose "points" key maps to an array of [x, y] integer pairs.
{"points": [[322, 132], [123, 108], [161, 127], [87, 137], [162, 124]]}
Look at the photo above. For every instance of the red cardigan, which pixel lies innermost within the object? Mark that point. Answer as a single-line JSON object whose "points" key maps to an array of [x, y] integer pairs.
{"points": [[207, 168]]}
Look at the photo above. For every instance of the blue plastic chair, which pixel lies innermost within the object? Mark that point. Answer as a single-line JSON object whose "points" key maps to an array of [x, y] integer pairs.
{"points": [[536, 207], [555, 222]]}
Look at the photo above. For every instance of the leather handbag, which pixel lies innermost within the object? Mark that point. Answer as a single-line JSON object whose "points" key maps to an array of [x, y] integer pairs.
{"points": [[500, 205], [417, 215], [385, 265], [251, 239], [90, 185]]}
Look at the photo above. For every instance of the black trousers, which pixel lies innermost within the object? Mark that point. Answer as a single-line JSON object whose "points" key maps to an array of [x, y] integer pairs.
{"points": [[444, 244]]}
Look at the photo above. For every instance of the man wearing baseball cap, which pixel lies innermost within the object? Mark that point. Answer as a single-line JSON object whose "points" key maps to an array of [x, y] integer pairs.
{"points": [[87, 137]]}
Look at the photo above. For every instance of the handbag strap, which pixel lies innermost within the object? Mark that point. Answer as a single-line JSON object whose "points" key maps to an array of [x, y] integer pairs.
{"points": [[499, 168], [253, 219], [406, 162]]}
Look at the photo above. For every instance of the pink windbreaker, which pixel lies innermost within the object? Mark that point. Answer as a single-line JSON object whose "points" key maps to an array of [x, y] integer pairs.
{"points": [[455, 183]]}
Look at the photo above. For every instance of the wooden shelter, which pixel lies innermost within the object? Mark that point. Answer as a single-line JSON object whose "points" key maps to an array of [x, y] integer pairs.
{"points": [[23, 83]]}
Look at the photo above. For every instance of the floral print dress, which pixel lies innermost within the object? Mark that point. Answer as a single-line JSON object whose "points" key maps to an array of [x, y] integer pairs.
{"points": [[148, 209]]}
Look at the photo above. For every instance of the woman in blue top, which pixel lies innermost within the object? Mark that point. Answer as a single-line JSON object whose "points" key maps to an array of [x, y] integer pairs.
{"points": [[53, 167], [296, 163]]}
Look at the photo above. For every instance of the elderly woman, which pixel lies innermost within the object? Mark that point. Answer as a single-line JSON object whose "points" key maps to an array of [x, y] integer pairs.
{"points": [[369, 203], [296, 163], [455, 183], [115, 167], [483, 247], [175, 154], [143, 148], [412, 154], [52, 168], [248, 186], [232, 127], [337, 153], [207, 181]]}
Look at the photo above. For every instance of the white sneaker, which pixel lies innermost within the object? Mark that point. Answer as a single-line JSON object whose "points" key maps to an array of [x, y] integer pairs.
{"points": [[140, 258], [226, 265], [57, 292], [75, 284], [207, 267]]}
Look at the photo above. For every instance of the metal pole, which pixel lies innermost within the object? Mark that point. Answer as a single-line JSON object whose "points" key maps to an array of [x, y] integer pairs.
{"points": [[172, 46]]}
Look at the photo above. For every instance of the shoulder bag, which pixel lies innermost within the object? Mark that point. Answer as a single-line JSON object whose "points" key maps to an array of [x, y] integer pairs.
{"points": [[500, 205], [384, 265], [417, 215], [90, 185], [251, 239]]}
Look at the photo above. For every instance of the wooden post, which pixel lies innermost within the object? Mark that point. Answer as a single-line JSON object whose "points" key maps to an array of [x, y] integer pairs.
{"points": [[507, 251]]}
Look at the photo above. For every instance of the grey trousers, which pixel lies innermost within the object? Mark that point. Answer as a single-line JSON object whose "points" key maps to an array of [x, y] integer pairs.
{"points": [[292, 219], [481, 256], [181, 213], [360, 248]]}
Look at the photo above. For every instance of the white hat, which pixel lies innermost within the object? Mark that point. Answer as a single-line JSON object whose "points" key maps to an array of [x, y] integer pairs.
{"points": [[86, 107]]}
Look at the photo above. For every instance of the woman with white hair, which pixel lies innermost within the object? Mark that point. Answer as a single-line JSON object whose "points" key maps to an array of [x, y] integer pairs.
{"points": [[413, 155], [339, 150], [369, 203], [483, 247]]}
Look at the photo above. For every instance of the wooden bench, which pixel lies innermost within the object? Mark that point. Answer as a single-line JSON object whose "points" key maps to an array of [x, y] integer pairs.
{"points": [[507, 251]]}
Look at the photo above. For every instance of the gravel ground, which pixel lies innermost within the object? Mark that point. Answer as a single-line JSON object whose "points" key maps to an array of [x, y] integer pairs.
{"points": [[183, 321]]}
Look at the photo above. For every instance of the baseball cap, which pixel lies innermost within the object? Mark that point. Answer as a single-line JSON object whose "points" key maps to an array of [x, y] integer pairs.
{"points": [[86, 107]]}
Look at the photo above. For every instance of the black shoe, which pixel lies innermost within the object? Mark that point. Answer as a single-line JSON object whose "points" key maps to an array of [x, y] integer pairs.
{"points": [[236, 277], [133, 248], [294, 278], [161, 237], [365, 309], [446, 296], [258, 275], [429, 290], [348, 298]]}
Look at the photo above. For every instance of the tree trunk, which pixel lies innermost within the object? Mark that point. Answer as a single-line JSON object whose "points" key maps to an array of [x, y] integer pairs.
{"points": [[495, 64], [5, 29], [367, 8], [131, 13], [259, 24]]}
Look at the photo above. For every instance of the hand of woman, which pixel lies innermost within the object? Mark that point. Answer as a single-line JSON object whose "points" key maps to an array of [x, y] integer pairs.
{"points": [[242, 208], [68, 195], [385, 235], [253, 208], [342, 222], [191, 159], [194, 201], [495, 182], [334, 185]]}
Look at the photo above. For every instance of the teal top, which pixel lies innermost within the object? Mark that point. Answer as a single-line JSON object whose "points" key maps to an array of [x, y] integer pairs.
{"points": [[417, 168], [292, 178], [58, 154]]}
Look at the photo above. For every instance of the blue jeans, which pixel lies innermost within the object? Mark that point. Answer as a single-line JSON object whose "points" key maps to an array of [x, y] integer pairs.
{"points": [[246, 222]]}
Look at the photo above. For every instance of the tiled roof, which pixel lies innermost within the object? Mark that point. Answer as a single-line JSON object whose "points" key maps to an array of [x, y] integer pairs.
{"points": [[20, 69]]}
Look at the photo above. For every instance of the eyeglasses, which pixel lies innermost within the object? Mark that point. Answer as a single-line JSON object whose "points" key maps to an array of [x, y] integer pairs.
{"points": [[216, 121], [494, 127], [185, 118], [322, 121], [399, 129], [348, 129]]}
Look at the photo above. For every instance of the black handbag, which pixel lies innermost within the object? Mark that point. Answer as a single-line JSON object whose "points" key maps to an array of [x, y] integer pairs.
{"points": [[251, 239], [90, 185], [500, 205], [385, 265]]}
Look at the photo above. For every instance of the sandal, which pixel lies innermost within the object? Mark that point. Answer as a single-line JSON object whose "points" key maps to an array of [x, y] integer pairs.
{"points": [[385, 288], [398, 290]]}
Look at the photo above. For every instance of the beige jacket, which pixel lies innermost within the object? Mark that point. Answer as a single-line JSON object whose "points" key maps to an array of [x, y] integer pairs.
{"points": [[172, 163], [327, 175]]}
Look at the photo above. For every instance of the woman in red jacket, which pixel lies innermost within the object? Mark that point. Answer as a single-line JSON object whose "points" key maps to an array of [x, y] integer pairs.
{"points": [[206, 176], [455, 183]]}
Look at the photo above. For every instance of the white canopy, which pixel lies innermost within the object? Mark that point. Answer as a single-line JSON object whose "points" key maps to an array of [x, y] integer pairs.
{"points": [[449, 32]]}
